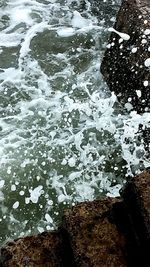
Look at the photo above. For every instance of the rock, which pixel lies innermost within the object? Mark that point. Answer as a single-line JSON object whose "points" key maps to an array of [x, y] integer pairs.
{"points": [[136, 197], [93, 235], [109, 232], [43, 250], [125, 65]]}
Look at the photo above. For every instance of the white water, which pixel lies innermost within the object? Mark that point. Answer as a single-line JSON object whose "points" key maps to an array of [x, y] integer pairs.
{"points": [[122, 35], [64, 138]]}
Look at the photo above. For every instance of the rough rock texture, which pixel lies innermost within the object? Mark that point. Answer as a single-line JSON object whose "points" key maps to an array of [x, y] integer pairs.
{"points": [[136, 197], [93, 235], [122, 66], [44, 250], [112, 232]]}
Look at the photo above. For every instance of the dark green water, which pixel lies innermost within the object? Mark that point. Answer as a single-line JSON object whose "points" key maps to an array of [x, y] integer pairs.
{"points": [[62, 133]]}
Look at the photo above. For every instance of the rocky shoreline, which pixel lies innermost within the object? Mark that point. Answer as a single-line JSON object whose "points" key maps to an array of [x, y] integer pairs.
{"points": [[107, 232]]}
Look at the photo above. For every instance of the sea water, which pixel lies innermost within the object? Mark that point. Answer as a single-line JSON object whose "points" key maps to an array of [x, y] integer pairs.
{"points": [[64, 138]]}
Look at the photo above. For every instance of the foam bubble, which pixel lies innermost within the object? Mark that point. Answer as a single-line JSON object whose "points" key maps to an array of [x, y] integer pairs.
{"points": [[13, 187], [72, 162], [78, 21], [134, 50], [35, 193], [147, 62], [2, 182], [124, 36], [16, 205], [48, 218], [66, 32], [145, 83], [147, 32]]}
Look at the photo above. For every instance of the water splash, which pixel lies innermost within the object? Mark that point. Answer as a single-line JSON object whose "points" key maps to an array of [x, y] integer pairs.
{"points": [[64, 137]]}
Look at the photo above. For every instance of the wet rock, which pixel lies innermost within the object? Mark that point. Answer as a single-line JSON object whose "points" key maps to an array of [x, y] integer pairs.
{"points": [[125, 65], [109, 232], [93, 235], [136, 197], [43, 250]]}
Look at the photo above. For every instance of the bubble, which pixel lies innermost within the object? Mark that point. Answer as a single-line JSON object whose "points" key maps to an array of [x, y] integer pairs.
{"points": [[48, 218], [13, 187], [2, 182], [16, 205]]}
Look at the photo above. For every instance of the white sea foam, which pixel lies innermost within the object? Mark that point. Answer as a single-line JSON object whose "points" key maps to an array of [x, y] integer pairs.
{"points": [[10, 40], [147, 62], [64, 138], [78, 21], [123, 35], [66, 32], [147, 32], [2, 182], [35, 194], [16, 205]]}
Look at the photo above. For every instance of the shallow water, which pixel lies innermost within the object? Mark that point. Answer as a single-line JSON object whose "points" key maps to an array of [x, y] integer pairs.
{"points": [[63, 136]]}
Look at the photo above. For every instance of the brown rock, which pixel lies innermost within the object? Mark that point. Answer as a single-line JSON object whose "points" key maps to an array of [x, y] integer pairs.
{"points": [[136, 196], [43, 250], [107, 233], [93, 236], [122, 67]]}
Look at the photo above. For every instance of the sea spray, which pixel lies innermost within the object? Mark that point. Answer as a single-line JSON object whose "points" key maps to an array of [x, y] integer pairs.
{"points": [[64, 137]]}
